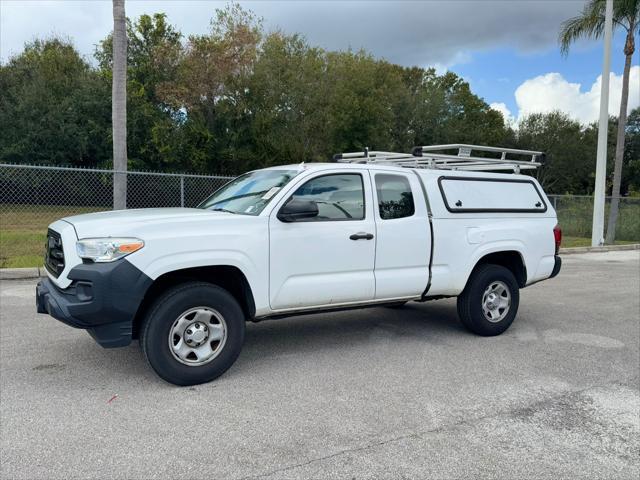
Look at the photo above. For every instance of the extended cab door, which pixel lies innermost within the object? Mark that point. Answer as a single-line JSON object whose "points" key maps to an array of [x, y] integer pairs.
{"points": [[327, 259], [403, 245]]}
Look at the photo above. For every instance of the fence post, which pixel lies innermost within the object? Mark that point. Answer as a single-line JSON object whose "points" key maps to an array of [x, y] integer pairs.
{"points": [[182, 190]]}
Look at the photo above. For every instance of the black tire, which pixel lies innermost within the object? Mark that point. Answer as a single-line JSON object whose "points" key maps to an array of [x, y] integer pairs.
{"points": [[159, 322], [470, 301]]}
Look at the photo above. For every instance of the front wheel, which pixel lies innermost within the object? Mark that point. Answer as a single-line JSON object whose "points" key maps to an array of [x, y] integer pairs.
{"points": [[193, 333], [489, 302]]}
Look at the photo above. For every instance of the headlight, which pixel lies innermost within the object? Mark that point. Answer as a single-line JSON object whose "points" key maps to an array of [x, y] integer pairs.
{"points": [[107, 249]]}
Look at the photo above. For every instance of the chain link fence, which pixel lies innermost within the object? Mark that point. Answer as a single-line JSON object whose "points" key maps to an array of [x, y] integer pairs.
{"points": [[575, 215], [31, 197], [83, 188]]}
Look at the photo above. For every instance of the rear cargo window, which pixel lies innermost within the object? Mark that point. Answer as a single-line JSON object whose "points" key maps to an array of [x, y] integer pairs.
{"points": [[475, 195]]}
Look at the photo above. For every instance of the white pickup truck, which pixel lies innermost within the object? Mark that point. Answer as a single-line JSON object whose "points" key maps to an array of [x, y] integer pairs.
{"points": [[369, 229]]}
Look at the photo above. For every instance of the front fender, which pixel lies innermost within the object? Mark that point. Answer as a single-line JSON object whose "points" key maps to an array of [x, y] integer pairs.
{"points": [[255, 274]]}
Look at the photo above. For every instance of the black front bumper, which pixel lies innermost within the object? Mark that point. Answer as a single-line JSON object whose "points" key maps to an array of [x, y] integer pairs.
{"points": [[103, 299]]}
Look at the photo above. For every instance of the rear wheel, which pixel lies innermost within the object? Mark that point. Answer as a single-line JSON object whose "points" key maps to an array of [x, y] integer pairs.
{"points": [[489, 302], [193, 333]]}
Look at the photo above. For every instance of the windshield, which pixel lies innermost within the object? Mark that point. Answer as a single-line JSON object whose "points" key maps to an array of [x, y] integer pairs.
{"points": [[249, 193]]}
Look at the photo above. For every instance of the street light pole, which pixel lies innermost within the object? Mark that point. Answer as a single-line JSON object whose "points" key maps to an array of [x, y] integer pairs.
{"points": [[597, 230]]}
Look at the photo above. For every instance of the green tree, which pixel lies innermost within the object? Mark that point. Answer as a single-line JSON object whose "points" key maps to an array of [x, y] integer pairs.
{"points": [[443, 109], [590, 23], [282, 101], [361, 97], [211, 89], [236, 98], [631, 179], [570, 149], [153, 55], [54, 109]]}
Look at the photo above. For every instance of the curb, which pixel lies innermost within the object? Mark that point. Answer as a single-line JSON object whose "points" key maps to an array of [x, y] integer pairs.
{"points": [[605, 248], [22, 273], [38, 272]]}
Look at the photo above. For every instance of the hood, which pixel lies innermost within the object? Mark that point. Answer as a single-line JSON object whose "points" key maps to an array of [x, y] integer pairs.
{"points": [[130, 223]]}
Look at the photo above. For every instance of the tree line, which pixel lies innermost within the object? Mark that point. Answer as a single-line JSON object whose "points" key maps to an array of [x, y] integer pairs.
{"points": [[239, 98]]}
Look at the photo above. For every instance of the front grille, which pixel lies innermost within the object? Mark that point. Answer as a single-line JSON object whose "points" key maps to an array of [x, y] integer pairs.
{"points": [[54, 255]]}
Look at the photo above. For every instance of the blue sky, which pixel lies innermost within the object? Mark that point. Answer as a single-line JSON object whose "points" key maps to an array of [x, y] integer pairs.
{"points": [[506, 49], [495, 74]]}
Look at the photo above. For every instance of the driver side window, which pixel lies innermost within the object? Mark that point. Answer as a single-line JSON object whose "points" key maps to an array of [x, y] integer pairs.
{"points": [[338, 196]]}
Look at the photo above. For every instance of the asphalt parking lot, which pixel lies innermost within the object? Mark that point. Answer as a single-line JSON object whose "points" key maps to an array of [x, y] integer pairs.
{"points": [[376, 393]]}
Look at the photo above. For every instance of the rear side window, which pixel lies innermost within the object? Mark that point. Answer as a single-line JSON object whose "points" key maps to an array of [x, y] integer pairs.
{"points": [[395, 199], [338, 196]]}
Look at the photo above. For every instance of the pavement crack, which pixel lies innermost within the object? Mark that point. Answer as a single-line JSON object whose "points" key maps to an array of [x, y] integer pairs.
{"points": [[452, 426], [336, 454]]}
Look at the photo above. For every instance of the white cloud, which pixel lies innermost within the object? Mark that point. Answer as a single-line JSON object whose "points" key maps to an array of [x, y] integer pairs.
{"points": [[504, 110], [552, 91]]}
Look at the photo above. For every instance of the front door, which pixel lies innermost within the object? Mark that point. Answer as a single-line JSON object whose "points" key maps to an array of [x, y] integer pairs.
{"points": [[327, 259]]}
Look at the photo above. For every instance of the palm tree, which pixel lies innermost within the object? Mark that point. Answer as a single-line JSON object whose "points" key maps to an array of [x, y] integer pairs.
{"points": [[590, 23], [119, 105]]}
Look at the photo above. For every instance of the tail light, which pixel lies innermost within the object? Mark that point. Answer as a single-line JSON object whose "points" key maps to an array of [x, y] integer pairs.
{"points": [[557, 236]]}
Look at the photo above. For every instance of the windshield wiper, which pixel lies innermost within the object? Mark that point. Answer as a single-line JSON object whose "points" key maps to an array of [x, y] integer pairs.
{"points": [[218, 209], [245, 195]]}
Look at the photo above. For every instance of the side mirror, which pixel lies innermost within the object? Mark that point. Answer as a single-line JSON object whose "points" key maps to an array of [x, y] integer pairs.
{"points": [[295, 210]]}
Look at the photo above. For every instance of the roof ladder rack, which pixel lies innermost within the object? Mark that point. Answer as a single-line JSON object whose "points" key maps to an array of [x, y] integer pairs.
{"points": [[466, 158]]}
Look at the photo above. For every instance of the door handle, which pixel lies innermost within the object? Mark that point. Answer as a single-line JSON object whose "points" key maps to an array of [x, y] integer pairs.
{"points": [[361, 236]]}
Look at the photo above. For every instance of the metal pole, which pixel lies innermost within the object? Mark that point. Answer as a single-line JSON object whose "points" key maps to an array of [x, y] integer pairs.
{"points": [[181, 191], [119, 105], [597, 230]]}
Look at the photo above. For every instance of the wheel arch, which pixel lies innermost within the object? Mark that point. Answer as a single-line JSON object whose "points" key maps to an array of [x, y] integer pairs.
{"points": [[229, 277], [510, 259]]}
